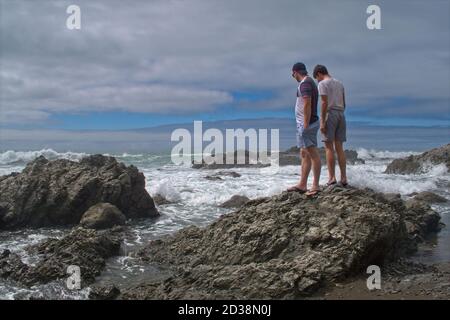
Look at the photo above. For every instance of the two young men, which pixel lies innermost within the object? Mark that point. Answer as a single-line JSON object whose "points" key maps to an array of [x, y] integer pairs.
{"points": [[331, 123]]}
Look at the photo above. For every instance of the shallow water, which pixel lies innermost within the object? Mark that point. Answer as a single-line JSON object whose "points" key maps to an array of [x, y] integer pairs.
{"points": [[196, 201]]}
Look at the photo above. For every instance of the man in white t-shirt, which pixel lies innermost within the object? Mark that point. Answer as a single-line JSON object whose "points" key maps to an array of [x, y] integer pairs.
{"points": [[332, 122]]}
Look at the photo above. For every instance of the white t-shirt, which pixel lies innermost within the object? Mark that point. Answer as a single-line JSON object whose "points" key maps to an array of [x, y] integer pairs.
{"points": [[334, 90]]}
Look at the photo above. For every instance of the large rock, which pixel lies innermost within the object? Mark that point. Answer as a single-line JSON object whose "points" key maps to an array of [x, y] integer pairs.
{"points": [[102, 216], [240, 160], [103, 292], [55, 193], [429, 197], [219, 175], [415, 164], [160, 199], [289, 157], [286, 246], [85, 248], [235, 201]]}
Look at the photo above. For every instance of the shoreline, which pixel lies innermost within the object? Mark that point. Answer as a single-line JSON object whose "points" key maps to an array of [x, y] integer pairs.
{"points": [[354, 286], [433, 283]]}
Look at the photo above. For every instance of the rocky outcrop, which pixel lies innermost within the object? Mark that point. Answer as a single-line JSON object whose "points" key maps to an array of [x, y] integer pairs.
{"points": [[429, 197], [244, 160], [160, 199], [56, 193], [416, 164], [286, 246], [85, 248], [219, 175], [235, 201], [102, 216], [104, 292], [289, 157]]}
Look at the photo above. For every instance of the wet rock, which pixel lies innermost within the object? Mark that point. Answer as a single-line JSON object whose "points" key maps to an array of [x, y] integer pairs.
{"points": [[161, 200], [429, 197], [86, 248], [232, 174], [57, 193], [241, 159], [286, 246], [104, 292], [220, 174], [102, 216], [235, 202], [422, 220], [416, 164], [213, 178], [286, 158], [292, 157]]}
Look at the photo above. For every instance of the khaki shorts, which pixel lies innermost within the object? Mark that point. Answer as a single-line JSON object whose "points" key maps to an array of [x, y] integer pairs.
{"points": [[336, 127]]}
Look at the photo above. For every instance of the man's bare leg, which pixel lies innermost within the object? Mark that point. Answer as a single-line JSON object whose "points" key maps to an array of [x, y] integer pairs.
{"points": [[331, 163], [306, 168], [316, 166], [304, 172], [339, 145]]}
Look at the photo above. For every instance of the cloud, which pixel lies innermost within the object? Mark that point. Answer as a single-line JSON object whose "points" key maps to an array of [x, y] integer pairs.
{"points": [[183, 57]]}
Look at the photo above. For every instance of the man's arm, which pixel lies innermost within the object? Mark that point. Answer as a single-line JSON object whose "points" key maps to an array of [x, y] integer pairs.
{"points": [[306, 111], [306, 92], [323, 112], [343, 96], [323, 92]]}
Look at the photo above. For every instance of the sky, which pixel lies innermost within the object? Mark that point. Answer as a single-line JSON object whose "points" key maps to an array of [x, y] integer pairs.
{"points": [[139, 64]]}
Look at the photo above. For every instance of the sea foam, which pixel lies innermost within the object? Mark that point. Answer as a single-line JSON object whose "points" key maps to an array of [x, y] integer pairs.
{"points": [[14, 157]]}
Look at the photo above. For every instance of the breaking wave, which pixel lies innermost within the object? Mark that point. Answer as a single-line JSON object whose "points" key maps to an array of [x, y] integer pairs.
{"points": [[17, 157]]}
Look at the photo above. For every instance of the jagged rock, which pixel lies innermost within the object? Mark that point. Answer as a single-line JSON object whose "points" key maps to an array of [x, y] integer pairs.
{"points": [[286, 246], [56, 193], [86, 248], [102, 216], [232, 174], [291, 157], [213, 178], [104, 292], [244, 160], [429, 197], [160, 199], [420, 219], [286, 158], [220, 174], [415, 164], [235, 202]]}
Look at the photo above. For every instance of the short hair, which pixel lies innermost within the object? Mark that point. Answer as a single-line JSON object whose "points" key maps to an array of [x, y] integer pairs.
{"points": [[320, 69]]}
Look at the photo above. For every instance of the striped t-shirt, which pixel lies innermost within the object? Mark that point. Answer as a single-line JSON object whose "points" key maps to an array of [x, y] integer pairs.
{"points": [[306, 88]]}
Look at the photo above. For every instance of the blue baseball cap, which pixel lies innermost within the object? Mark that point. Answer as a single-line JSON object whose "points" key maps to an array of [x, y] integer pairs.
{"points": [[299, 66]]}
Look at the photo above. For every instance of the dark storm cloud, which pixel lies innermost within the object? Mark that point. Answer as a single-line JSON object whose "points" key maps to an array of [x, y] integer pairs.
{"points": [[189, 56]]}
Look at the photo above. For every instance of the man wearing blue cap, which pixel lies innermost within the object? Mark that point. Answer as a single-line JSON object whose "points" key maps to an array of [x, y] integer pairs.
{"points": [[307, 127]]}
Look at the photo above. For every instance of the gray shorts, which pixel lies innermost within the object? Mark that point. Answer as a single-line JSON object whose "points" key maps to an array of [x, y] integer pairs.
{"points": [[307, 137], [336, 126]]}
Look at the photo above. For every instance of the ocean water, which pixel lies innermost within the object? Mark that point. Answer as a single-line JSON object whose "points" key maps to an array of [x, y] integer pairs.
{"points": [[196, 201]]}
